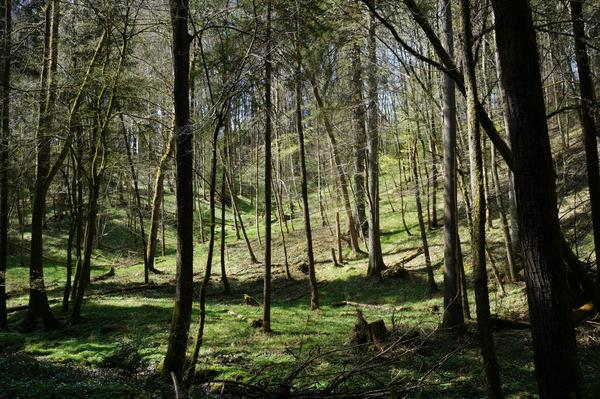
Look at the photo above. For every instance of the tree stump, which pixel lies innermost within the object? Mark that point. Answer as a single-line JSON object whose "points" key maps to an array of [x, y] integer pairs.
{"points": [[376, 331]]}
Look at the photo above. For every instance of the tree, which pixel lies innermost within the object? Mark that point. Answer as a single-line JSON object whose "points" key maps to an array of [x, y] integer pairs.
{"points": [[180, 321], [453, 312], [5, 48], [360, 135], [45, 172], [376, 264], [556, 366], [478, 243], [267, 181], [588, 123]]}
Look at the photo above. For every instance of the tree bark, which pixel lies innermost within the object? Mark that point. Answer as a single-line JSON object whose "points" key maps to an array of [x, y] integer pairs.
{"points": [[478, 244], [341, 174], [453, 312], [360, 134], [268, 178], [588, 123], [314, 290], [157, 202], [38, 299], [5, 48], [138, 200], [430, 278], [180, 321], [376, 265], [557, 369], [224, 280]]}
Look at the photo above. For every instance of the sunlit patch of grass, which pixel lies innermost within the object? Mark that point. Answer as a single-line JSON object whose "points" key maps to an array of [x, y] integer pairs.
{"points": [[129, 329]]}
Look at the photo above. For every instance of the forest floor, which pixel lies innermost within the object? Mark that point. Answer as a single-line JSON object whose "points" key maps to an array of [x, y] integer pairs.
{"points": [[116, 349]]}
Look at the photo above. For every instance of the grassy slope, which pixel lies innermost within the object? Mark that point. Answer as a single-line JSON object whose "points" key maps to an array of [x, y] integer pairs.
{"points": [[115, 350]]}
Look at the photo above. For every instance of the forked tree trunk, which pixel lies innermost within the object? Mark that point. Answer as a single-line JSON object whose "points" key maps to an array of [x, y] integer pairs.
{"points": [[555, 354]]}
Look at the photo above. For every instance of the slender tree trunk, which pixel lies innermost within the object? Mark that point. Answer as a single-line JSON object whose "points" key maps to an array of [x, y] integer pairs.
{"points": [[453, 312], [401, 185], [478, 244], [138, 200], [341, 174], [157, 203], [503, 220], [180, 321], [360, 134], [434, 177], [5, 47], [38, 299], [224, 280], [588, 123], [415, 170], [338, 236], [72, 192], [314, 290], [257, 193], [556, 366], [376, 265], [267, 185], [238, 215], [211, 246], [90, 227]]}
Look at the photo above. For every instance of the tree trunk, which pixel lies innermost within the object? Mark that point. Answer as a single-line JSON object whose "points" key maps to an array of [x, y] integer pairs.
{"points": [[180, 322], [224, 280], [478, 245], [157, 202], [360, 134], [588, 123], [503, 219], [267, 185], [557, 369], [314, 291], [5, 47], [38, 299], [376, 265], [453, 312], [415, 169], [341, 174], [238, 215], [90, 227], [138, 200]]}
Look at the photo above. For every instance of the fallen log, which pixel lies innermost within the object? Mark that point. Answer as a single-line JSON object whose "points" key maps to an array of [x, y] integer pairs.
{"points": [[356, 305], [505, 324]]}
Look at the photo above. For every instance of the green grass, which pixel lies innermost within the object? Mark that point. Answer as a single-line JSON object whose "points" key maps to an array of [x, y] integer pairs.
{"points": [[117, 347]]}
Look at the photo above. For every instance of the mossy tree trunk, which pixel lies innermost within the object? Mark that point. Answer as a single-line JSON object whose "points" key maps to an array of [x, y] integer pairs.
{"points": [[480, 280], [180, 321]]}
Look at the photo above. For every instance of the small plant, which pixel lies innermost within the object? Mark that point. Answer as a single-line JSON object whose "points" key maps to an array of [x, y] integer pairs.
{"points": [[126, 357]]}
